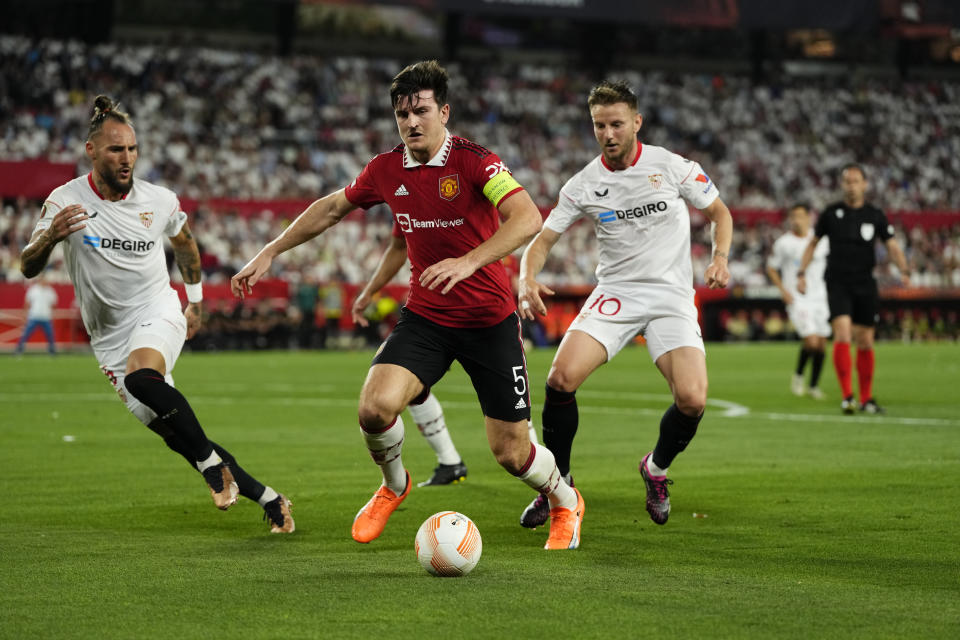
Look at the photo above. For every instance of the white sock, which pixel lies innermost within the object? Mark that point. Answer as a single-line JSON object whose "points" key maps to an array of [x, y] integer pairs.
{"points": [[269, 495], [543, 476], [385, 449], [429, 418], [212, 461], [653, 469], [533, 432]]}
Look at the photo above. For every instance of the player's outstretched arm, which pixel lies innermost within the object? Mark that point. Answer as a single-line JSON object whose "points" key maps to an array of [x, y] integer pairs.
{"points": [[390, 262], [529, 296], [805, 260], [900, 259], [317, 218], [37, 252], [187, 256], [521, 221], [717, 274]]}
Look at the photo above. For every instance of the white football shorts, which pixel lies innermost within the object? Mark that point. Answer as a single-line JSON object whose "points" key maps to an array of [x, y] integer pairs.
{"points": [[663, 314], [809, 317], [160, 326]]}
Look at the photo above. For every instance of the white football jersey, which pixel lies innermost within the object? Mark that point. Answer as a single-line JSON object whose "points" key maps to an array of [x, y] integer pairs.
{"points": [[640, 215], [117, 261], [785, 257]]}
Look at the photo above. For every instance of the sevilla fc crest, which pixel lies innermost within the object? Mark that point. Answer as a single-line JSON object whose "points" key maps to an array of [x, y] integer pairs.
{"points": [[147, 219], [866, 231], [656, 179], [450, 186]]}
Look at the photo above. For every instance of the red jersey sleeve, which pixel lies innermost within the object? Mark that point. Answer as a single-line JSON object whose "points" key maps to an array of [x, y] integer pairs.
{"points": [[364, 192], [494, 178]]}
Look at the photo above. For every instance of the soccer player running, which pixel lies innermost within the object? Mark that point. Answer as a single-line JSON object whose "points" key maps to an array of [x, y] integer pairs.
{"points": [[131, 312], [425, 408], [853, 226], [808, 312], [448, 196], [634, 195]]}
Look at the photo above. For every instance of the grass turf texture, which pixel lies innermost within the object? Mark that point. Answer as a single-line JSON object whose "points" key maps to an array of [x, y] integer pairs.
{"points": [[818, 525]]}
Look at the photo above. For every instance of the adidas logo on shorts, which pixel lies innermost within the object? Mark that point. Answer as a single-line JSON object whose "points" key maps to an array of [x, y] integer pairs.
{"points": [[401, 191], [520, 404]]}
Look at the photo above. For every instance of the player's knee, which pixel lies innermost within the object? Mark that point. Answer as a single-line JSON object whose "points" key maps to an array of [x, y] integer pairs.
{"points": [[559, 379], [691, 399], [511, 458], [511, 453], [375, 415]]}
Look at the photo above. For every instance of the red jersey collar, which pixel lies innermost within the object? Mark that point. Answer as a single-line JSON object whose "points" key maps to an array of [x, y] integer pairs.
{"points": [[635, 159], [438, 160], [97, 191]]}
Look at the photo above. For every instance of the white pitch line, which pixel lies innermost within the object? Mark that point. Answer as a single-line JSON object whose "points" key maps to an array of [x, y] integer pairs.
{"points": [[734, 410], [730, 409], [816, 417]]}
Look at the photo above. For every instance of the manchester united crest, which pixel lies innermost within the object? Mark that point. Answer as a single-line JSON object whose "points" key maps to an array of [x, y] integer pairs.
{"points": [[656, 179], [450, 186], [146, 218]]}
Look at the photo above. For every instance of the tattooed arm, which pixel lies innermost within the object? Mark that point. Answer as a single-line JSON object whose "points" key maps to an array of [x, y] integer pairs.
{"points": [[187, 255]]}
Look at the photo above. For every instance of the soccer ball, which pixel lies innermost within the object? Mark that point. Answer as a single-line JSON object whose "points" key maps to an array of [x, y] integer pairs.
{"points": [[448, 544]]}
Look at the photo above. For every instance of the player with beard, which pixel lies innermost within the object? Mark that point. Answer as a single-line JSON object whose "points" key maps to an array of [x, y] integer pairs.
{"points": [[636, 197], [112, 229]]}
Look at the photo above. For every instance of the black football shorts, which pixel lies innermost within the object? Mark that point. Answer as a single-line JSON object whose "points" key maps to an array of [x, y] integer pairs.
{"points": [[859, 300], [492, 356]]}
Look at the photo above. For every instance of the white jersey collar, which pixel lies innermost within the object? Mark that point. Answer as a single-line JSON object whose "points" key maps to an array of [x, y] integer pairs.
{"points": [[438, 160], [93, 187], [636, 159]]}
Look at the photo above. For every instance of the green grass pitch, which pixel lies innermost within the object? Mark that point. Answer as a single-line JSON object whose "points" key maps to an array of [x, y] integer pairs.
{"points": [[813, 524]]}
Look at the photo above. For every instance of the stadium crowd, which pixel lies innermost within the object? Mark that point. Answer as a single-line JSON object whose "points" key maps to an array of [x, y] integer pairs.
{"points": [[220, 123]]}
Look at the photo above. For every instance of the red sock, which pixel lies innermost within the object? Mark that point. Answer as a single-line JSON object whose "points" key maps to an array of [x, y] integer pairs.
{"points": [[865, 365], [841, 362]]}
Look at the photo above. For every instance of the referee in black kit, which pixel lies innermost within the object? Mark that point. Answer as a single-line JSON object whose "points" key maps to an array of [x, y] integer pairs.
{"points": [[852, 226]]}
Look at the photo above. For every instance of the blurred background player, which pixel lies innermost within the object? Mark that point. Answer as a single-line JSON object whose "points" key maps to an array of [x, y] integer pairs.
{"points": [[131, 312], [40, 300], [808, 311], [853, 226], [425, 408], [448, 195], [636, 197]]}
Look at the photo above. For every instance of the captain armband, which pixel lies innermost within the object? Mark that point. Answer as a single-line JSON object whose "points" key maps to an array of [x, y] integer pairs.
{"points": [[194, 292], [500, 186]]}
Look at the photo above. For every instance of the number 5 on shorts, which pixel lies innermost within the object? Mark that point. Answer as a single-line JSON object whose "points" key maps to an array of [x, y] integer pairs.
{"points": [[521, 388]]}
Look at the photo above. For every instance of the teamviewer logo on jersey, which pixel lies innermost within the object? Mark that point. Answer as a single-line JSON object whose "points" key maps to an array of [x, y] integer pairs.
{"points": [[607, 216], [93, 241]]}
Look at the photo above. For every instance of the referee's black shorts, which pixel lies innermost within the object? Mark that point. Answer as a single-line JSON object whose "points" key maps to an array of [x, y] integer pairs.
{"points": [[859, 300], [492, 356]]}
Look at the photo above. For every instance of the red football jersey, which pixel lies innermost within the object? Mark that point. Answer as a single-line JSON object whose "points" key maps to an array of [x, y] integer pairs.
{"points": [[444, 209]]}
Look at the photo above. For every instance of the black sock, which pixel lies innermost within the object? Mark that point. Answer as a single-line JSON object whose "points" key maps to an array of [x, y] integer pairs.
{"points": [[560, 419], [802, 362], [815, 368], [249, 486], [149, 387], [676, 431]]}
